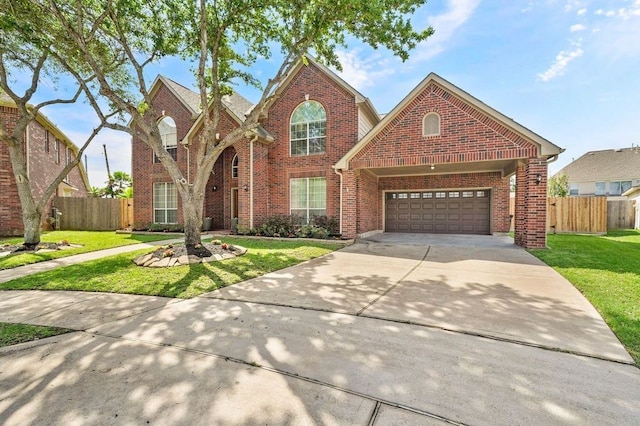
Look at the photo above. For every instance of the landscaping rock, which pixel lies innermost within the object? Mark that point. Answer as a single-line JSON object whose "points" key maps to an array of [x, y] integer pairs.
{"points": [[176, 255]]}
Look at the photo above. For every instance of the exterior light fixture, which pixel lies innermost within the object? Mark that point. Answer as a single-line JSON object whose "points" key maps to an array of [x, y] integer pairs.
{"points": [[538, 179], [214, 188], [433, 166], [245, 187]]}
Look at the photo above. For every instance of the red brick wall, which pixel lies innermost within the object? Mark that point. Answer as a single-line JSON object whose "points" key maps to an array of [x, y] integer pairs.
{"points": [[342, 134], [466, 135], [10, 211], [143, 169], [369, 202], [42, 168]]}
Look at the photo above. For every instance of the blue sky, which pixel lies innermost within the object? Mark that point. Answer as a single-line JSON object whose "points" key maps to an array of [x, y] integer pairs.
{"points": [[568, 70]]}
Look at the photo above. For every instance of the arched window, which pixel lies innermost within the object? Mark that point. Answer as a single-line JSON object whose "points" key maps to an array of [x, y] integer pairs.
{"points": [[308, 129], [431, 124], [169, 136], [234, 166]]}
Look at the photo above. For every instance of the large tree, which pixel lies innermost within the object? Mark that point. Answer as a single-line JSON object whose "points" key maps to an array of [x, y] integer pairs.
{"points": [[223, 39], [27, 59]]}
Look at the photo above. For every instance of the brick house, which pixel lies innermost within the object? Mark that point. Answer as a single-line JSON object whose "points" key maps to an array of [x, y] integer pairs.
{"points": [[48, 151], [439, 162]]}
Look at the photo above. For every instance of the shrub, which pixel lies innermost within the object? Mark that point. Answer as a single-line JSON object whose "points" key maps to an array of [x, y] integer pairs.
{"points": [[280, 225], [331, 224]]}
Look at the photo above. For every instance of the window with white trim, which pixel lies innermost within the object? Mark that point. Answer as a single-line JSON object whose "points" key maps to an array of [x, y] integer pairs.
{"points": [[619, 188], [600, 188], [234, 166], [169, 137], [573, 189], [308, 197], [308, 129], [56, 146], [165, 203], [431, 124]]}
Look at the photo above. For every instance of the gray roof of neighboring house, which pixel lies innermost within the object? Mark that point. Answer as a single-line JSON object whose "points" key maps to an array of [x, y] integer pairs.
{"points": [[604, 166]]}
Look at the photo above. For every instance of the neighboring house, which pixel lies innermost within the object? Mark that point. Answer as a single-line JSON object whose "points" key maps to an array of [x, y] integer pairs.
{"points": [[633, 194], [610, 172], [47, 151], [439, 162]]}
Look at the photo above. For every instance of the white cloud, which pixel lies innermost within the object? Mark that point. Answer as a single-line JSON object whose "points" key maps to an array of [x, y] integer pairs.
{"points": [[361, 69], [558, 67], [577, 27], [362, 72], [581, 11], [445, 25]]}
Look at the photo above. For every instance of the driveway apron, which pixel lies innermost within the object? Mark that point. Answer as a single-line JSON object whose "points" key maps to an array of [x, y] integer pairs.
{"points": [[482, 285]]}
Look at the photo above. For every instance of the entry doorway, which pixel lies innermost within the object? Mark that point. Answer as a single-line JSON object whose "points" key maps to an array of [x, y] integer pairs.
{"points": [[234, 208]]}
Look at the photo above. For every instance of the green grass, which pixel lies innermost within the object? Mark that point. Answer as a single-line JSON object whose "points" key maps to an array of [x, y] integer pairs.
{"points": [[12, 334], [606, 269], [118, 274], [90, 241]]}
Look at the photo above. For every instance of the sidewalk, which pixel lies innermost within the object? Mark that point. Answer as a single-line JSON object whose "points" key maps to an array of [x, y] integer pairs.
{"points": [[22, 271]]}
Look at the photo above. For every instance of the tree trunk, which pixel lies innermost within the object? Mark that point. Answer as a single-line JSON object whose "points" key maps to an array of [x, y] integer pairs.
{"points": [[31, 214], [192, 207]]}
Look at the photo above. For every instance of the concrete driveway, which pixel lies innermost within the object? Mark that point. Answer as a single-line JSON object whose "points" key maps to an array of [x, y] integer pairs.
{"points": [[396, 329]]}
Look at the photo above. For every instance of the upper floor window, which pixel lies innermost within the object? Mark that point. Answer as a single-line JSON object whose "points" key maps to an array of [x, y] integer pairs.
{"points": [[308, 129], [431, 124], [234, 166], [573, 189], [56, 145], [169, 137], [46, 141], [619, 188]]}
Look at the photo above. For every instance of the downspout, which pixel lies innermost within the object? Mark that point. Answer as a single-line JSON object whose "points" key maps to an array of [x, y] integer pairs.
{"points": [[339, 173], [255, 138]]}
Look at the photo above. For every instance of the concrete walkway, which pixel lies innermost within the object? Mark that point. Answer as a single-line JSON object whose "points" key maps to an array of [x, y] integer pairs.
{"points": [[390, 330]]}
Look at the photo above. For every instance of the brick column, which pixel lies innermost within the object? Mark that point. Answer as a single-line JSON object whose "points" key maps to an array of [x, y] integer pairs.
{"points": [[349, 204], [531, 204]]}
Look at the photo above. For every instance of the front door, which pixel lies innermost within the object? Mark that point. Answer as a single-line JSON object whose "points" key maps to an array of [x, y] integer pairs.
{"points": [[234, 207]]}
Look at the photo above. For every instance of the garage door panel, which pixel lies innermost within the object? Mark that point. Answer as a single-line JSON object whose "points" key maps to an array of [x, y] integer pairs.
{"points": [[459, 211]]}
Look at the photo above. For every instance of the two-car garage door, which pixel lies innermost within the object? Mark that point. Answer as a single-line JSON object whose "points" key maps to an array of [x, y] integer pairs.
{"points": [[445, 212]]}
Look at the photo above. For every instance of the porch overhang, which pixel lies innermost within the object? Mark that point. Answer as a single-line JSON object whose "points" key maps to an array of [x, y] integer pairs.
{"points": [[504, 167]]}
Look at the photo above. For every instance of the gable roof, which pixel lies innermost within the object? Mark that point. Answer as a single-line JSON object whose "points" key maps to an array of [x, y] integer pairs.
{"points": [[360, 99], [5, 100], [603, 166], [545, 147], [189, 98]]}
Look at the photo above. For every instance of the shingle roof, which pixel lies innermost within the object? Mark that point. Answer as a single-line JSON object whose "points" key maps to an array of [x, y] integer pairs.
{"points": [[235, 102], [188, 96], [604, 166]]}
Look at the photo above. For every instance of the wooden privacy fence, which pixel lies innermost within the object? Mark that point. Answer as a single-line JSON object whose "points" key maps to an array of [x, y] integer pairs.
{"points": [[93, 214], [620, 214], [589, 215], [577, 214]]}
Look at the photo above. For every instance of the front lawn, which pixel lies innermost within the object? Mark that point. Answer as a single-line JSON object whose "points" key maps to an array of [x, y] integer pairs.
{"points": [[89, 240], [118, 274], [12, 334], [606, 269]]}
